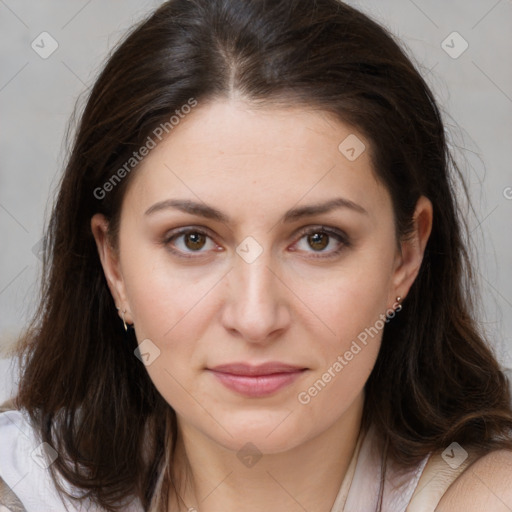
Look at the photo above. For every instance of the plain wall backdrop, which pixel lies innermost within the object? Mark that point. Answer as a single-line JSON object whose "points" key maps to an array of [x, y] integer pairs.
{"points": [[51, 51]]}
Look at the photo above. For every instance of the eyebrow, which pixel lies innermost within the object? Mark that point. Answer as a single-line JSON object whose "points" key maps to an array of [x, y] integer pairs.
{"points": [[204, 210]]}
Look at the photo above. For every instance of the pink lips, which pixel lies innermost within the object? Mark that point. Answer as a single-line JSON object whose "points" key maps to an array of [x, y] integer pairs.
{"points": [[256, 381]]}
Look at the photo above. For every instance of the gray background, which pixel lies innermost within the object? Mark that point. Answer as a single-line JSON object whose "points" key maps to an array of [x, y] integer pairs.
{"points": [[37, 97]]}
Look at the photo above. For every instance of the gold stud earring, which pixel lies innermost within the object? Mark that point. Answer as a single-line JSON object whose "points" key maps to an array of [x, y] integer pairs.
{"points": [[398, 299]]}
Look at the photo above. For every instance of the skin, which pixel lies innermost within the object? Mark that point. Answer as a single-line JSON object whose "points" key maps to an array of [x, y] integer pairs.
{"points": [[290, 304], [484, 485]]}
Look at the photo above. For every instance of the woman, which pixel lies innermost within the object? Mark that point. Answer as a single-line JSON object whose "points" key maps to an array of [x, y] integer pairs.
{"points": [[256, 291]]}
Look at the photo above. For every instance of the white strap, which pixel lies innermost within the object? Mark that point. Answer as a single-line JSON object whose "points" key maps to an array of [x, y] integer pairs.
{"points": [[341, 498], [437, 476]]}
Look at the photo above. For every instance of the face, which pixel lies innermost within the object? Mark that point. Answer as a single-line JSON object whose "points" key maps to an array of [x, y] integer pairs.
{"points": [[249, 274]]}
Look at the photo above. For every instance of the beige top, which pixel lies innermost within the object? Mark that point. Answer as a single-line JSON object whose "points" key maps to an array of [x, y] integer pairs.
{"points": [[25, 485], [418, 490]]}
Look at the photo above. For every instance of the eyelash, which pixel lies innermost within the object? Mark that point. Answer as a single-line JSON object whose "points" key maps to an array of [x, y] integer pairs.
{"points": [[338, 235]]}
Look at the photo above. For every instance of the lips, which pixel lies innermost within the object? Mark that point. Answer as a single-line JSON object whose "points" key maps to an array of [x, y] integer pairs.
{"points": [[256, 370], [256, 381]]}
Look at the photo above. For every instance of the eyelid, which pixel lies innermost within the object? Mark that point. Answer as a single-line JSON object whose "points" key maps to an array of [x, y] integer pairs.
{"points": [[321, 227]]}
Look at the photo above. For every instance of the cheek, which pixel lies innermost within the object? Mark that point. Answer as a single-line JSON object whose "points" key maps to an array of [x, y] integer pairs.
{"points": [[349, 344], [353, 310], [350, 300], [162, 295], [170, 310]]}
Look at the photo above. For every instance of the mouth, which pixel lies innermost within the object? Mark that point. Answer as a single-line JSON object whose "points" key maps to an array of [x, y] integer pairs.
{"points": [[256, 381]]}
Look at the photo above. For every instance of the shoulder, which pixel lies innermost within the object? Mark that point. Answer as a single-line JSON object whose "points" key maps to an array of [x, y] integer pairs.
{"points": [[484, 485], [24, 463], [25, 477]]}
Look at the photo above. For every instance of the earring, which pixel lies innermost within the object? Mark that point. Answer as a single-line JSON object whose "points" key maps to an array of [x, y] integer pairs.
{"points": [[399, 307], [122, 315]]}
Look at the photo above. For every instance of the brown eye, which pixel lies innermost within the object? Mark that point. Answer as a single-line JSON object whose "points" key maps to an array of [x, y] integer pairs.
{"points": [[318, 241], [186, 242], [322, 242], [195, 240]]}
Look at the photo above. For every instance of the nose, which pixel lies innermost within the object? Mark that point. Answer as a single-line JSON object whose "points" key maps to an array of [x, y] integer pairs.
{"points": [[256, 306]]}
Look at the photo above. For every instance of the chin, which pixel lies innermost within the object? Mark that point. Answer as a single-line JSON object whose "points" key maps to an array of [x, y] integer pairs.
{"points": [[269, 436]]}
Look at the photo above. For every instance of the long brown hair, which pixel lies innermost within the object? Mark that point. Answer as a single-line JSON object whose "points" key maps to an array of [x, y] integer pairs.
{"points": [[436, 379]]}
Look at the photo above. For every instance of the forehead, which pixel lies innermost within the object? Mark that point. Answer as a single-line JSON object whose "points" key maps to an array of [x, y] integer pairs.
{"points": [[228, 153]]}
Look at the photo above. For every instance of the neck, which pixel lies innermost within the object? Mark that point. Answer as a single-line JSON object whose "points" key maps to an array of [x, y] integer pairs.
{"points": [[306, 477]]}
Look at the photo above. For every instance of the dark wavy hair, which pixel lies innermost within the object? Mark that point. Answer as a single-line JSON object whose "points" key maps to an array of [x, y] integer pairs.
{"points": [[436, 378]]}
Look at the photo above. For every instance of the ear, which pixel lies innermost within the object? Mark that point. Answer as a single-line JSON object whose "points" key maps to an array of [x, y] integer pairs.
{"points": [[410, 254], [111, 264]]}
